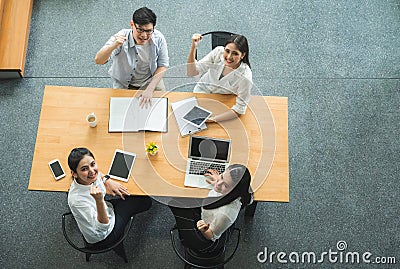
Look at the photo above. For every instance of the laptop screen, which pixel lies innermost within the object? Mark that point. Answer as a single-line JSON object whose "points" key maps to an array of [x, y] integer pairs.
{"points": [[207, 148]]}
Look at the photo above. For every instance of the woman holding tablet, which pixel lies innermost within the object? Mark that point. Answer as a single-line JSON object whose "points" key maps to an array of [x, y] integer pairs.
{"points": [[224, 70], [101, 222], [208, 224]]}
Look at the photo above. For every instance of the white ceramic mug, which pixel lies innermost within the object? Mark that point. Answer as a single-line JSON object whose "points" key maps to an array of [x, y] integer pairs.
{"points": [[91, 119]]}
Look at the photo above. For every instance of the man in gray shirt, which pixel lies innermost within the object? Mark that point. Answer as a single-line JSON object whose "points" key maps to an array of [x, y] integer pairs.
{"points": [[139, 56]]}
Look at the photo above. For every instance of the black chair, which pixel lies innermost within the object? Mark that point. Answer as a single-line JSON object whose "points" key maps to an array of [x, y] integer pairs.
{"points": [[218, 38], [117, 247], [203, 260]]}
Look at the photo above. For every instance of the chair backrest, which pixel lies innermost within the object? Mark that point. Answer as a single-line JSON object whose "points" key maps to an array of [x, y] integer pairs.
{"points": [[86, 249], [197, 250], [218, 38], [185, 221], [199, 260]]}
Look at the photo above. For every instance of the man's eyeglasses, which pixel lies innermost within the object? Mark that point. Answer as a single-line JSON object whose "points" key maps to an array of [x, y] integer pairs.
{"points": [[141, 31]]}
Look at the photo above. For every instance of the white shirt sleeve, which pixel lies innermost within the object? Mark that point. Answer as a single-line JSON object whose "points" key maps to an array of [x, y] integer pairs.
{"points": [[213, 57], [219, 225], [83, 207], [221, 218], [244, 90], [88, 223]]}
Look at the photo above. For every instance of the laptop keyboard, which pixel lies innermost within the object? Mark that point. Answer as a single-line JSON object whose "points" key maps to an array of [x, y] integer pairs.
{"points": [[200, 167]]}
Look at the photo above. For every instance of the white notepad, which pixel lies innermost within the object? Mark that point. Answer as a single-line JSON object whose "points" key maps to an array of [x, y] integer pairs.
{"points": [[127, 116], [182, 107]]}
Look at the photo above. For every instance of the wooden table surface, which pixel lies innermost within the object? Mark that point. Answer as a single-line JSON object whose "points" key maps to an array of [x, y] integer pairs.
{"points": [[259, 141], [14, 32]]}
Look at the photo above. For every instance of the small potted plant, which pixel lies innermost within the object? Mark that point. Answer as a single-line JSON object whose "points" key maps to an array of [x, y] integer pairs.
{"points": [[152, 148]]}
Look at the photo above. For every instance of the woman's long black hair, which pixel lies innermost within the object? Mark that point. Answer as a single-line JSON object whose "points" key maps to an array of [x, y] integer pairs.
{"points": [[241, 178]]}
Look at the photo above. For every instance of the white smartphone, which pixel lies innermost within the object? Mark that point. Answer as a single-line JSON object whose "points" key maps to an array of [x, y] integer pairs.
{"points": [[56, 169]]}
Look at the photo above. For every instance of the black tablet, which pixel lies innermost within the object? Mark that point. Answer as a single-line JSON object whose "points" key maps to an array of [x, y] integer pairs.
{"points": [[197, 116], [121, 165]]}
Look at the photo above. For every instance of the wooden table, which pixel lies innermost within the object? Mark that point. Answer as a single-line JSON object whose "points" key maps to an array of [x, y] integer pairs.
{"points": [[15, 19], [259, 141]]}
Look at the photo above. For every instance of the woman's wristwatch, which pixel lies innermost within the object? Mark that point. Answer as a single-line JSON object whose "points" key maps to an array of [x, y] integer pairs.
{"points": [[105, 178]]}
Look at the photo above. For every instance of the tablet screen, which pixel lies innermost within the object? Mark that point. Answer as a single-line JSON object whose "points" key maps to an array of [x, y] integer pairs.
{"points": [[197, 116], [121, 165]]}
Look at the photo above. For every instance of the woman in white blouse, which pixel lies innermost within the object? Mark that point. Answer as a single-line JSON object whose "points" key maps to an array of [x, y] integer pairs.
{"points": [[207, 225], [100, 222], [225, 70]]}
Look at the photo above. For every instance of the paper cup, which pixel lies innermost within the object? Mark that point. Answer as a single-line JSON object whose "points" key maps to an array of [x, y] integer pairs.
{"points": [[91, 119]]}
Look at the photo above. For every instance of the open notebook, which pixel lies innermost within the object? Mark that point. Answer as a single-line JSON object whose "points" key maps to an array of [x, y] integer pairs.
{"points": [[127, 116]]}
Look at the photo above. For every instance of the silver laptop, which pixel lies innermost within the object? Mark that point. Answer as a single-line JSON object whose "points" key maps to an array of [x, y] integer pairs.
{"points": [[205, 153]]}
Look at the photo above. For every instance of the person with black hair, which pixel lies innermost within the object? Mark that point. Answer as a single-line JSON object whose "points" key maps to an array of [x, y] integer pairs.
{"points": [[225, 70], [100, 222], [232, 192], [139, 55], [203, 228]]}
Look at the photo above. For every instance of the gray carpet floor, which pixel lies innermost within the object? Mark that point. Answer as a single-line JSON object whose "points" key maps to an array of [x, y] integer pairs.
{"points": [[337, 61]]}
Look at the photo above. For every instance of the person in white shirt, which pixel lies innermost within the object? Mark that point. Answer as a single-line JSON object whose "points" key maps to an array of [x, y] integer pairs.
{"points": [[100, 222], [139, 56], [225, 70], [206, 226]]}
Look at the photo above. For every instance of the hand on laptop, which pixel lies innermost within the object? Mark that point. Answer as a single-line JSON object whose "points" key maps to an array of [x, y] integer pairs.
{"points": [[114, 188], [212, 175]]}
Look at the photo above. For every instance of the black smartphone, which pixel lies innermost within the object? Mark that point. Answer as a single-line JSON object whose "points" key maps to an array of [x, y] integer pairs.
{"points": [[56, 169]]}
